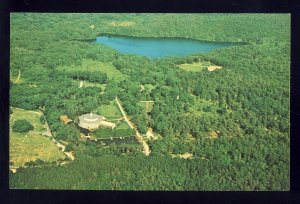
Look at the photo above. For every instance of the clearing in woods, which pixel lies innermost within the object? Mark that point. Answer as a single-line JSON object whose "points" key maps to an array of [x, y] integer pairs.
{"points": [[194, 67], [84, 84], [122, 23], [109, 111], [199, 66], [25, 147], [96, 66]]}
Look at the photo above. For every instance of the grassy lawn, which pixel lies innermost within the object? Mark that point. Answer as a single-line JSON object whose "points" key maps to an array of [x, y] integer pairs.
{"points": [[194, 67], [92, 65], [122, 125], [110, 111], [32, 116], [30, 146]]}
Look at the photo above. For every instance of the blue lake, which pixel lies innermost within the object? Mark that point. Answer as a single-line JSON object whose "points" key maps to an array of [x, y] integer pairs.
{"points": [[159, 47]]}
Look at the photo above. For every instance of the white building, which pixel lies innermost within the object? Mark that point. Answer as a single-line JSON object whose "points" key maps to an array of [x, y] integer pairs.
{"points": [[93, 121]]}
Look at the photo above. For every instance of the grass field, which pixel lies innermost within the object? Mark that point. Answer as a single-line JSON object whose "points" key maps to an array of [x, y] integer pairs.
{"points": [[122, 125], [92, 65], [30, 146], [110, 111], [194, 67]]}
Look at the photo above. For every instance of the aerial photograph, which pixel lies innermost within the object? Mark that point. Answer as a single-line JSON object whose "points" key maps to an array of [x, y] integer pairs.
{"points": [[149, 101]]}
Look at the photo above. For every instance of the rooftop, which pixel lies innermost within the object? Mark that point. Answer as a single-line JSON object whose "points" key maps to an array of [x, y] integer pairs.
{"points": [[91, 118]]}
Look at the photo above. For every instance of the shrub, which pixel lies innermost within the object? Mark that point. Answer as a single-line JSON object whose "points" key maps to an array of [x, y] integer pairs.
{"points": [[39, 162], [22, 126], [68, 147], [59, 148], [207, 109], [42, 119]]}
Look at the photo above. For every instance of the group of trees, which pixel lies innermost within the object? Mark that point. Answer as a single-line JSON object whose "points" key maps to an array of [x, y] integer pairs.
{"points": [[109, 172], [89, 76], [108, 132], [22, 126], [246, 102]]}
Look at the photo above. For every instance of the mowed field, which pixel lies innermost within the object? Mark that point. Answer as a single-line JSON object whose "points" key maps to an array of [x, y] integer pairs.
{"points": [[95, 66], [110, 111], [122, 125], [30, 146], [194, 67]]}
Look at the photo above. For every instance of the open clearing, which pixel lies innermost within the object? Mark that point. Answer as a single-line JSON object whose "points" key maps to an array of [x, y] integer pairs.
{"points": [[110, 111], [122, 125], [90, 84], [95, 66], [122, 23], [195, 66], [199, 66], [30, 146]]}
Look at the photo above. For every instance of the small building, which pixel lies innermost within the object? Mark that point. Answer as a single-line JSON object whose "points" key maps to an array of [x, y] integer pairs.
{"points": [[93, 121], [65, 119]]}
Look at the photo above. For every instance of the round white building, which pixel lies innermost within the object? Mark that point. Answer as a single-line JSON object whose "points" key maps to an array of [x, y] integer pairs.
{"points": [[90, 121]]}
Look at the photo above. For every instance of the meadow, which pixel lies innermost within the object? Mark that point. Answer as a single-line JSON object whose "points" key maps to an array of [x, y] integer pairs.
{"points": [[25, 147], [194, 67], [95, 66]]}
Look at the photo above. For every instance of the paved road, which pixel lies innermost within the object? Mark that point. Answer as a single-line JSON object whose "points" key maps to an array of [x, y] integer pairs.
{"points": [[138, 135]]}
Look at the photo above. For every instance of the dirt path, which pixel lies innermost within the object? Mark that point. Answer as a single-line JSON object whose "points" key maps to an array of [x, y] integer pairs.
{"points": [[123, 112], [142, 141], [49, 134], [137, 135], [18, 77], [35, 112]]}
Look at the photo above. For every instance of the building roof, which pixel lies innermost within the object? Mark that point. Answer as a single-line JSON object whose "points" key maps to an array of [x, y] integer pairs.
{"points": [[91, 118], [65, 119]]}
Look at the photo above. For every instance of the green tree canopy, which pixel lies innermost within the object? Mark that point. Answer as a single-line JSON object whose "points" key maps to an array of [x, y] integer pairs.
{"points": [[22, 126]]}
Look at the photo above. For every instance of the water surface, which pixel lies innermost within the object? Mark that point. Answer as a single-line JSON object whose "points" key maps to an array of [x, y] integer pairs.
{"points": [[159, 47]]}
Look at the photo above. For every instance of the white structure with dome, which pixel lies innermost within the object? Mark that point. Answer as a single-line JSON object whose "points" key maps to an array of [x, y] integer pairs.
{"points": [[93, 121]]}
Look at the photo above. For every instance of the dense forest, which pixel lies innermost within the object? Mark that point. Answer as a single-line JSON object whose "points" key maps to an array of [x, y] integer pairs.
{"points": [[245, 105]]}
